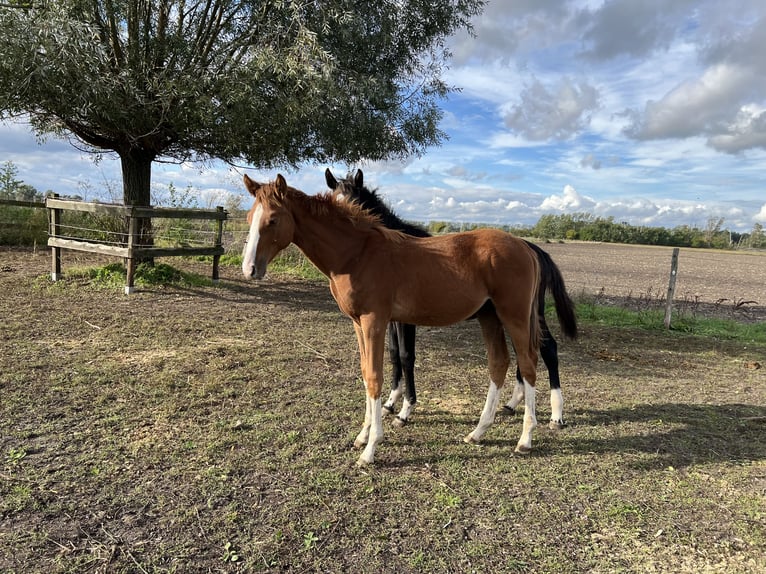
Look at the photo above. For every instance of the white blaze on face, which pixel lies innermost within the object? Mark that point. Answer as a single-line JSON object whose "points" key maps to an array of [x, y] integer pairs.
{"points": [[248, 253]]}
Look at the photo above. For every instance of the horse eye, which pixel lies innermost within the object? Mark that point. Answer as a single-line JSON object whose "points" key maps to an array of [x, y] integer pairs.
{"points": [[272, 221]]}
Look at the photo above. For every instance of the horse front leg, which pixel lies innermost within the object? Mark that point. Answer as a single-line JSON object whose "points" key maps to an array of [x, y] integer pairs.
{"points": [[370, 335], [527, 366]]}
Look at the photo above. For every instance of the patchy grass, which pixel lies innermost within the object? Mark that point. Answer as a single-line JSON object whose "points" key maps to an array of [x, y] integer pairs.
{"points": [[208, 429], [114, 276], [654, 319]]}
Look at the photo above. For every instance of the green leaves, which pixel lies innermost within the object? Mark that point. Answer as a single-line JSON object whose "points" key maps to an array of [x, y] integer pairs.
{"points": [[272, 82]]}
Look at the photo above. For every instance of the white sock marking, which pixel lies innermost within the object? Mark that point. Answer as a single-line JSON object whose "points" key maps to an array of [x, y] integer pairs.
{"points": [[557, 406], [375, 431], [404, 414], [487, 413], [530, 420], [517, 396]]}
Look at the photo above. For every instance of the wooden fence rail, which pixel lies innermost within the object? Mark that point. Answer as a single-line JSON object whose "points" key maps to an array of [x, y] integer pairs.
{"points": [[22, 203], [131, 250]]}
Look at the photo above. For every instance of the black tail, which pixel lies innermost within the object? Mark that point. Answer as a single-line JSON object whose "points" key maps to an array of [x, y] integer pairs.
{"points": [[551, 279]]}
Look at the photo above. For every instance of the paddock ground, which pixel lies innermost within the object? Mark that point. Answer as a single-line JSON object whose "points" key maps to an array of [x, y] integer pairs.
{"points": [[209, 429]]}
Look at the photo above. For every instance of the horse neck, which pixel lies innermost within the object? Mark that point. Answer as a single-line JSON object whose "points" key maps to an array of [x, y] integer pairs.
{"points": [[328, 242]]}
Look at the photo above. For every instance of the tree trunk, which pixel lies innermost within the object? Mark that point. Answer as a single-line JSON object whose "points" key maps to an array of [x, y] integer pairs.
{"points": [[136, 187]]}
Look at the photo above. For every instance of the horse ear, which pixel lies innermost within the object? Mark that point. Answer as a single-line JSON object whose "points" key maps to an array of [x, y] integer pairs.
{"points": [[332, 183], [280, 184], [359, 178], [251, 186]]}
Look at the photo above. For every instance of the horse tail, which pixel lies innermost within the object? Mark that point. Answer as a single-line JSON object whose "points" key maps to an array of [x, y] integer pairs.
{"points": [[535, 327], [551, 279]]}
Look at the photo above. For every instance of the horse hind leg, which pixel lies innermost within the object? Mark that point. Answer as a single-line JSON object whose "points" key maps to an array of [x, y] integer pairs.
{"points": [[518, 328], [499, 360], [517, 396], [396, 369], [549, 354], [406, 334]]}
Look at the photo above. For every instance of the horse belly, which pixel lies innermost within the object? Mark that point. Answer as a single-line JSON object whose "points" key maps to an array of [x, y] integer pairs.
{"points": [[437, 306]]}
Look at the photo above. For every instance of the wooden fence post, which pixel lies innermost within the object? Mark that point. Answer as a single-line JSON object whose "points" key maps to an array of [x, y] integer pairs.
{"points": [[671, 286], [54, 228], [218, 244], [133, 222]]}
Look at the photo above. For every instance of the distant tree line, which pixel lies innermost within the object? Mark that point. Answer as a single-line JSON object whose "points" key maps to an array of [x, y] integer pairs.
{"points": [[586, 227], [20, 225], [13, 188]]}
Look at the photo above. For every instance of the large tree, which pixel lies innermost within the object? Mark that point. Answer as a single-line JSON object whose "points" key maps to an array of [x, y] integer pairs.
{"points": [[267, 82]]}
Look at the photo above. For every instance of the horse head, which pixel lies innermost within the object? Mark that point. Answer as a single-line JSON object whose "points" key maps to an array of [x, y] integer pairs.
{"points": [[271, 226], [352, 188]]}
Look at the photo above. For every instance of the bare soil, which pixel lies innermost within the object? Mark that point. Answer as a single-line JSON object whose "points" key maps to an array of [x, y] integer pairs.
{"points": [[710, 283], [209, 429]]}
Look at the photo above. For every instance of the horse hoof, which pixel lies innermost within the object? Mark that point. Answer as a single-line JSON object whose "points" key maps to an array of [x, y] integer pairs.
{"points": [[521, 449], [556, 425], [399, 422], [361, 462], [387, 410], [509, 410], [359, 444], [470, 440]]}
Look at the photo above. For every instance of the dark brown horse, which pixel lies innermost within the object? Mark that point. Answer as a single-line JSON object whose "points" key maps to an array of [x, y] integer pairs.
{"points": [[401, 336], [378, 275]]}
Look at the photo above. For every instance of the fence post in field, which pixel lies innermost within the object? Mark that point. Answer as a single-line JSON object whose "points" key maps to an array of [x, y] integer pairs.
{"points": [[218, 243], [54, 228], [671, 286], [132, 237]]}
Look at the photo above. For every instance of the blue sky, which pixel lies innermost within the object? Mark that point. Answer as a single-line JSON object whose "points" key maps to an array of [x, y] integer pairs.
{"points": [[652, 112]]}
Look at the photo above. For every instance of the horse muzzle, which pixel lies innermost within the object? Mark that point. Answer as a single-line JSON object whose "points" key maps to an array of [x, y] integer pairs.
{"points": [[254, 272]]}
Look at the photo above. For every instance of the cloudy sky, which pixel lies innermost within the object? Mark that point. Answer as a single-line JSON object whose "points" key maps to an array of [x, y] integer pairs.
{"points": [[652, 112]]}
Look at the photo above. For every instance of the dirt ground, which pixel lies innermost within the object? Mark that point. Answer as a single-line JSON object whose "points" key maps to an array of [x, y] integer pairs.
{"points": [[208, 429], [713, 283]]}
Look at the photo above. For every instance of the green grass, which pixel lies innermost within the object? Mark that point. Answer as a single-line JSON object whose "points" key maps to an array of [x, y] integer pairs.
{"points": [[654, 320], [114, 275]]}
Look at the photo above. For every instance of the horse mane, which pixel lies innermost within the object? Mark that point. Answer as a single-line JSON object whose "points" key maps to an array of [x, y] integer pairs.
{"points": [[370, 201], [331, 205]]}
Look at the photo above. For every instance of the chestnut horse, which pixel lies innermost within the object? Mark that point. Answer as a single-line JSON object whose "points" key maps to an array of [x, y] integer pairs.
{"points": [[401, 336], [378, 275]]}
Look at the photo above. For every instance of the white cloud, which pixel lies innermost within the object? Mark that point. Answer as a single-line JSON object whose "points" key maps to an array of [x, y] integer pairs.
{"points": [[553, 113], [630, 28], [747, 131], [568, 201], [694, 107], [589, 160], [760, 217]]}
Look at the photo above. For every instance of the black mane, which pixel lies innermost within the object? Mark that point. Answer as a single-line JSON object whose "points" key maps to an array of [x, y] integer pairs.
{"points": [[354, 189]]}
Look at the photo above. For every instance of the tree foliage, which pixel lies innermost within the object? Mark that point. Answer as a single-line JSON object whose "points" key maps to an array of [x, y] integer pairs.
{"points": [[13, 188], [268, 82]]}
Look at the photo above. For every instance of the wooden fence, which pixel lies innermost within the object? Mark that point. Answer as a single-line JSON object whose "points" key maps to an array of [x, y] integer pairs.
{"points": [[20, 203], [130, 249]]}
